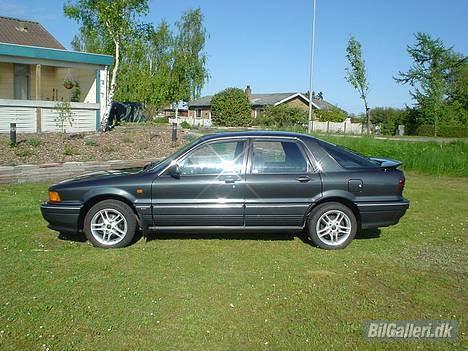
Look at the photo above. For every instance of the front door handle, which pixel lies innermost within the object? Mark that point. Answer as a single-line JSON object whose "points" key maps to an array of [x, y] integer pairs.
{"points": [[303, 179], [231, 180]]}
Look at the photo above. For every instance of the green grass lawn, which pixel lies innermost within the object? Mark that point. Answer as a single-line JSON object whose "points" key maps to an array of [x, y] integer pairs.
{"points": [[223, 292]]}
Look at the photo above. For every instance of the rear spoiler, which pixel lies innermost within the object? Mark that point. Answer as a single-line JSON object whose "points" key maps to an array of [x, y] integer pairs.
{"points": [[386, 162]]}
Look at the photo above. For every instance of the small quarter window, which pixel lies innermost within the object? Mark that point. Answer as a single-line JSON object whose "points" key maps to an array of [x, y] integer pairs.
{"points": [[347, 159], [277, 157]]}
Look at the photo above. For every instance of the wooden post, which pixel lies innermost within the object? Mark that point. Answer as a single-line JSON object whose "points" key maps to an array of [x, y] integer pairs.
{"points": [[38, 97]]}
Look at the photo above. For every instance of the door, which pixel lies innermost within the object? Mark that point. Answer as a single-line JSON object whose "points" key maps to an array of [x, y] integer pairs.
{"points": [[21, 82], [209, 191], [281, 184]]}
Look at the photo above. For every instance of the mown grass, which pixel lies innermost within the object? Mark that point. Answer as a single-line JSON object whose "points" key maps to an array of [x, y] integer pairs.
{"points": [[423, 157], [230, 292]]}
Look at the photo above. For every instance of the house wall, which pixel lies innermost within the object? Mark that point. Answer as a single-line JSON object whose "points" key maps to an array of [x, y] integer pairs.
{"points": [[299, 103], [51, 79], [6, 80]]}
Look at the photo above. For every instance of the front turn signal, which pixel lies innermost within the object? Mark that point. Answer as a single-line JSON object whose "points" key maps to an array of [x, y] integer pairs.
{"points": [[54, 196]]}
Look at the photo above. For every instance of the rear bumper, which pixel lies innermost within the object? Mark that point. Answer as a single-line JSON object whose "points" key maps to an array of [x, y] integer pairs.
{"points": [[62, 218], [381, 214]]}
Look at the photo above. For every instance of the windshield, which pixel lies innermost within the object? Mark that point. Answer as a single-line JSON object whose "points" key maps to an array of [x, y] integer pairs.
{"points": [[168, 159]]}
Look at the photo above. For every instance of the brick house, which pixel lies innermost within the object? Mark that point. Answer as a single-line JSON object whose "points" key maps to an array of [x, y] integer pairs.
{"points": [[199, 110]]}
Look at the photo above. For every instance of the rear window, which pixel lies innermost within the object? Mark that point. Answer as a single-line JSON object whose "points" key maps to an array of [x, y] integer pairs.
{"points": [[347, 158]]}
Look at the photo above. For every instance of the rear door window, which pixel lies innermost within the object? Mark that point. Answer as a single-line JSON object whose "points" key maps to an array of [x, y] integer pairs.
{"points": [[277, 157]]}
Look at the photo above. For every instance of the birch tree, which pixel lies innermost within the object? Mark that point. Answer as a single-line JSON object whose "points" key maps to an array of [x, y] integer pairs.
{"points": [[356, 73], [118, 20]]}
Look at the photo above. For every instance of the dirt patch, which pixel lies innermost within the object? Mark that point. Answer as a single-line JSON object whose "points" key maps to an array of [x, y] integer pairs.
{"points": [[129, 142]]}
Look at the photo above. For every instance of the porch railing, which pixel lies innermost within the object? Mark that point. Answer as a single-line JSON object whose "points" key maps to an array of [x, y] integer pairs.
{"points": [[33, 116]]}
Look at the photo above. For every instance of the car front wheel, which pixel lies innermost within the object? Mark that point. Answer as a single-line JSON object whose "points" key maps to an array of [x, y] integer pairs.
{"points": [[110, 224], [332, 225]]}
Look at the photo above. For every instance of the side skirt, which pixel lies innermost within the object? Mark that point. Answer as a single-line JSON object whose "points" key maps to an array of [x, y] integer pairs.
{"points": [[225, 229]]}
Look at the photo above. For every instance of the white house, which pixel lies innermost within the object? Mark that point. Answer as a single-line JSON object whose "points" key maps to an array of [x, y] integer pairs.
{"points": [[37, 72]]}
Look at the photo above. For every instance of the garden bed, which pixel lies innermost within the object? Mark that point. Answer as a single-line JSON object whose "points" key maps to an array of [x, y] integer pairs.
{"points": [[130, 142]]}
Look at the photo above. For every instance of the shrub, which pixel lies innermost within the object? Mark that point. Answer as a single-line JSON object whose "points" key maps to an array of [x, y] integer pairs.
{"points": [[333, 114], [90, 142], [389, 118], [160, 120], [443, 131], [34, 142], [21, 152], [282, 116], [69, 150], [185, 125], [231, 108]]}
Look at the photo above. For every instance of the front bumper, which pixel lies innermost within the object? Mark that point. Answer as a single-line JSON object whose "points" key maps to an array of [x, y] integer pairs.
{"points": [[381, 214], [61, 217]]}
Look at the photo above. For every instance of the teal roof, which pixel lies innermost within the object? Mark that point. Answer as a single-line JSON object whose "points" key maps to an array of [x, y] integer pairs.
{"points": [[55, 54]]}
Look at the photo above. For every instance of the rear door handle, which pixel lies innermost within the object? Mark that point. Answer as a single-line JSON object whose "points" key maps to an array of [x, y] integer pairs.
{"points": [[303, 179]]}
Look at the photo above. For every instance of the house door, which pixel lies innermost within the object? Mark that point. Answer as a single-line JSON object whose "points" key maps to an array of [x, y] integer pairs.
{"points": [[21, 82]]}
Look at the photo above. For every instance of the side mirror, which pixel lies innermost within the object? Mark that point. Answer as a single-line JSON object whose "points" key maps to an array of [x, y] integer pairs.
{"points": [[174, 170]]}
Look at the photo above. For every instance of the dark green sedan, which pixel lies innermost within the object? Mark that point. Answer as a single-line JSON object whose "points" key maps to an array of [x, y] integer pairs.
{"points": [[236, 182]]}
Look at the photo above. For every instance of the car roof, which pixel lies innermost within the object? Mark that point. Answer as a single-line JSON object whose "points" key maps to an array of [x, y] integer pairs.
{"points": [[256, 133]]}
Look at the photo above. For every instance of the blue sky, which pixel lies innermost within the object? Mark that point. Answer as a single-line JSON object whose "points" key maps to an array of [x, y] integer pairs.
{"points": [[266, 44]]}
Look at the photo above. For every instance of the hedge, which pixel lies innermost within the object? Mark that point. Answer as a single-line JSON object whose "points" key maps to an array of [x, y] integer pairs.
{"points": [[443, 131]]}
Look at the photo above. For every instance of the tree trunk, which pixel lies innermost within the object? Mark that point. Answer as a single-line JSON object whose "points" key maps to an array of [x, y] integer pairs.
{"points": [[367, 117], [110, 96]]}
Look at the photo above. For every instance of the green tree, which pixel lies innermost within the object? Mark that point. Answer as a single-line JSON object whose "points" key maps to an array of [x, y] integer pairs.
{"points": [[356, 73], [231, 108], [117, 19], [189, 72], [430, 74]]}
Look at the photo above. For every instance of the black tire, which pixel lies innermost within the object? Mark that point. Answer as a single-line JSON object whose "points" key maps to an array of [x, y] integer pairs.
{"points": [[324, 242], [114, 206]]}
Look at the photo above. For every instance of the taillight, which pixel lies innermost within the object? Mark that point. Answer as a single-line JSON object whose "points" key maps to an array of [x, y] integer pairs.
{"points": [[401, 185]]}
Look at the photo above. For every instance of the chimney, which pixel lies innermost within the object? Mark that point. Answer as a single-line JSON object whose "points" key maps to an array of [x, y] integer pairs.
{"points": [[248, 91]]}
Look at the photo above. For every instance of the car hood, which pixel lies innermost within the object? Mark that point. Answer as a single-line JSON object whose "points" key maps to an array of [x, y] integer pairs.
{"points": [[97, 176]]}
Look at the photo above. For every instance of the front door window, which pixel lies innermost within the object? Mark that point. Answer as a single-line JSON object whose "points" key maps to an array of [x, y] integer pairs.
{"points": [[214, 159]]}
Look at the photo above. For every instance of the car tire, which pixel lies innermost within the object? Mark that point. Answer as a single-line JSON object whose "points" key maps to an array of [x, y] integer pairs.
{"points": [[332, 226], [110, 224]]}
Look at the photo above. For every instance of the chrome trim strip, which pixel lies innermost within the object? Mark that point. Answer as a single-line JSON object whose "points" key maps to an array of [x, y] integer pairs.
{"points": [[257, 205], [60, 207], [228, 205], [383, 204]]}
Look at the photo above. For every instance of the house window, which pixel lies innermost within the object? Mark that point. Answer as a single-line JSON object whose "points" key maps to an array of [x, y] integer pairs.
{"points": [[21, 82], [197, 113]]}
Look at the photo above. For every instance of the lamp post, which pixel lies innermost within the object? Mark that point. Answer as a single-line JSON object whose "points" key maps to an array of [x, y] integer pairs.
{"points": [[312, 49]]}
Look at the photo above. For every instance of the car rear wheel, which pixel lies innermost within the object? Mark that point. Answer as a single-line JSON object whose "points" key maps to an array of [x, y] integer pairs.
{"points": [[332, 226], [110, 224]]}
